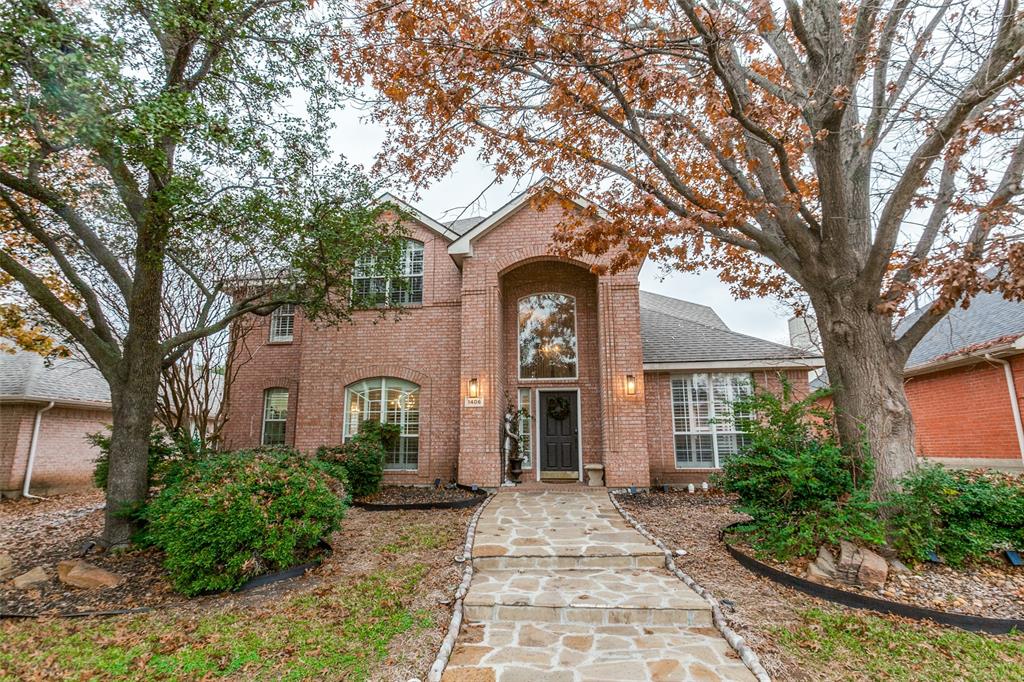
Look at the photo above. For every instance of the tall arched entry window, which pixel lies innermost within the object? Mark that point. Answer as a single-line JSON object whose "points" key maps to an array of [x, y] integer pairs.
{"points": [[390, 401], [547, 336]]}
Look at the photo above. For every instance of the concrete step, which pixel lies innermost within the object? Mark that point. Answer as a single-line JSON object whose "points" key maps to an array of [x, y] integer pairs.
{"points": [[592, 596]]}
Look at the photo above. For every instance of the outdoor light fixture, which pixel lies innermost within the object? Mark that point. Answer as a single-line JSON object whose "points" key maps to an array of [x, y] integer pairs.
{"points": [[474, 388], [630, 384]]}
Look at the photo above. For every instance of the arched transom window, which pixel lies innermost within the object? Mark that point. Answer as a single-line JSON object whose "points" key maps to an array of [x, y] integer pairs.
{"points": [[547, 336], [391, 401]]}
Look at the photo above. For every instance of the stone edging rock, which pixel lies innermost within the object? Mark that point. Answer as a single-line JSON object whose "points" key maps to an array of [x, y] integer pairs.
{"points": [[448, 643], [746, 654]]}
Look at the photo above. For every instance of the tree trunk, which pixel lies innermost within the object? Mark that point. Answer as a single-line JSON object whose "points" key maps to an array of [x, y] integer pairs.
{"points": [[134, 390], [865, 369], [134, 405]]}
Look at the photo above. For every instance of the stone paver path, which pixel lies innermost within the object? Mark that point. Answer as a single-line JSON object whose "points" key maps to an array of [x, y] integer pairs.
{"points": [[564, 589]]}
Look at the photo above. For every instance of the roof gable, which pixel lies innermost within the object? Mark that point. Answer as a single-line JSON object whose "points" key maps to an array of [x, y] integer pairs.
{"points": [[680, 308], [419, 216], [463, 246]]}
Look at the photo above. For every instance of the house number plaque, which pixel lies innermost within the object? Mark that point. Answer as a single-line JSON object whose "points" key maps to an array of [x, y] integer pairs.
{"points": [[474, 402]]}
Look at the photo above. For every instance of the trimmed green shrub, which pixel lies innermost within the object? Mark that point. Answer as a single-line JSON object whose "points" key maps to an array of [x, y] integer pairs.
{"points": [[361, 459], [227, 518], [162, 450], [794, 480], [960, 516]]}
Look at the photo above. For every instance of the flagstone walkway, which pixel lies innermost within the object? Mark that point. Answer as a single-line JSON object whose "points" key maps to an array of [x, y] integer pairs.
{"points": [[564, 589]]}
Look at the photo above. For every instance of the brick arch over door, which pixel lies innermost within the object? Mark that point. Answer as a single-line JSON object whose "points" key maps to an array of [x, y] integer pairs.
{"points": [[538, 252], [357, 373]]}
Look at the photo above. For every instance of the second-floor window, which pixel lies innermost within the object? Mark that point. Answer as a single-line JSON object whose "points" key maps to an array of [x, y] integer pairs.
{"points": [[282, 324], [371, 288]]}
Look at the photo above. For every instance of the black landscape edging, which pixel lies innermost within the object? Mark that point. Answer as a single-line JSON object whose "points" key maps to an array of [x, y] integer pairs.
{"points": [[992, 626], [479, 496], [258, 581]]}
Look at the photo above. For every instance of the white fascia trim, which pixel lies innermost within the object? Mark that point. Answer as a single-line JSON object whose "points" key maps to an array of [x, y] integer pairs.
{"points": [[419, 215], [463, 246], [58, 402], [965, 358], [795, 363]]}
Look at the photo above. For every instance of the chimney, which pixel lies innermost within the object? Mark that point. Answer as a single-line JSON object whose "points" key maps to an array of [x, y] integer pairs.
{"points": [[803, 333]]}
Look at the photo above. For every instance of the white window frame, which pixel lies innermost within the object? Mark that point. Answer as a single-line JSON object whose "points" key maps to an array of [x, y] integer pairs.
{"points": [[412, 268], [277, 419], [575, 338], [349, 429], [526, 426], [282, 323], [720, 420]]}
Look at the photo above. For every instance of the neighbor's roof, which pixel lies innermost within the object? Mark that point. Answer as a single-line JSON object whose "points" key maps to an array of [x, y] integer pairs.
{"points": [[676, 332], [990, 317], [25, 376]]}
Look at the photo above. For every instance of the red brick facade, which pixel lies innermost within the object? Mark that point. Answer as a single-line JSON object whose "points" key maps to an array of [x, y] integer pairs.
{"points": [[64, 460], [466, 331], [945, 428]]}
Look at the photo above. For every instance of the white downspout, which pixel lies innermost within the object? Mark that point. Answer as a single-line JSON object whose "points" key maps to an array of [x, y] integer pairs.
{"points": [[32, 454], [1013, 400]]}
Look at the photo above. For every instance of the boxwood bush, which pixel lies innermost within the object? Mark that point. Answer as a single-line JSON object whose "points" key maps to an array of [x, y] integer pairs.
{"points": [[227, 518], [794, 480], [961, 516], [361, 459]]}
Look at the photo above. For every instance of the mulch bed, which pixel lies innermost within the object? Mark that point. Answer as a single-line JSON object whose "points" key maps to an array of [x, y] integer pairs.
{"points": [[755, 606], [407, 494], [990, 591], [42, 533]]}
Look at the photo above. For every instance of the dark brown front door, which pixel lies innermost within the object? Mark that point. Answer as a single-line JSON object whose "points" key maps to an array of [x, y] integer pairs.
{"points": [[558, 431]]}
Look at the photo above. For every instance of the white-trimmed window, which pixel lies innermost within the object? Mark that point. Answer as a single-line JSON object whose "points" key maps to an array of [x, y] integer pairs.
{"points": [[282, 323], [275, 416], [525, 427], [547, 336], [703, 418], [389, 401], [370, 288]]}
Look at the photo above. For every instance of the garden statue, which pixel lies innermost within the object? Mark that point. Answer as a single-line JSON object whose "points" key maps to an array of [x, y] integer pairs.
{"points": [[513, 455]]}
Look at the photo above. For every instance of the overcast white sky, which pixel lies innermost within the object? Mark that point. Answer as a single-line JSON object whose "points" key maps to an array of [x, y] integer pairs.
{"points": [[448, 199]]}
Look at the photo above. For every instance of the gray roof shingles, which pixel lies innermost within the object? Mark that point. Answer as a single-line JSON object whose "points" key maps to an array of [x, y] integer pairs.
{"points": [[989, 317], [25, 375], [675, 331], [679, 308]]}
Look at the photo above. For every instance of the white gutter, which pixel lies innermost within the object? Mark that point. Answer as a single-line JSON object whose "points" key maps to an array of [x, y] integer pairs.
{"points": [[1013, 399], [32, 453]]}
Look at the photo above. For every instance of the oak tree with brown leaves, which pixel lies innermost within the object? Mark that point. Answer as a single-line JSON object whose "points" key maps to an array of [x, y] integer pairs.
{"points": [[860, 154]]}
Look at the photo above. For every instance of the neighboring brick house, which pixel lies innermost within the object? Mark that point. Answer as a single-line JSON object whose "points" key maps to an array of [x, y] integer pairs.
{"points": [[45, 413], [636, 382], [963, 381], [964, 385]]}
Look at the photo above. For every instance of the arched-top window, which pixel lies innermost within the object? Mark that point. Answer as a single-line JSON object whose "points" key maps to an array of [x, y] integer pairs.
{"points": [[390, 401], [371, 289], [547, 336]]}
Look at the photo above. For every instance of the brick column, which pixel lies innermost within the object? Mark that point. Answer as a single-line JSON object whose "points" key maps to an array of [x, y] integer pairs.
{"points": [[479, 455], [623, 416]]}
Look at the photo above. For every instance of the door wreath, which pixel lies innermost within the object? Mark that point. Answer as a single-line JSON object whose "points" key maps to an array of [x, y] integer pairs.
{"points": [[558, 408]]}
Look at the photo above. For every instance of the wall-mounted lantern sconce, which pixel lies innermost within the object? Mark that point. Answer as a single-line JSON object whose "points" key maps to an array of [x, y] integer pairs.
{"points": [[474, 388], [630, 384]]}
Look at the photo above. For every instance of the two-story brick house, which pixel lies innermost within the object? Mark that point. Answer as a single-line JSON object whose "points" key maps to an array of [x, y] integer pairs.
{"points": [[636, 382]]}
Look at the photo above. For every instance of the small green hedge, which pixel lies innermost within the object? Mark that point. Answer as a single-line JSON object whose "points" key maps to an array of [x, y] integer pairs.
{"points": [[794, 480], [227, 518], [961, 516], [361, 459]]}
